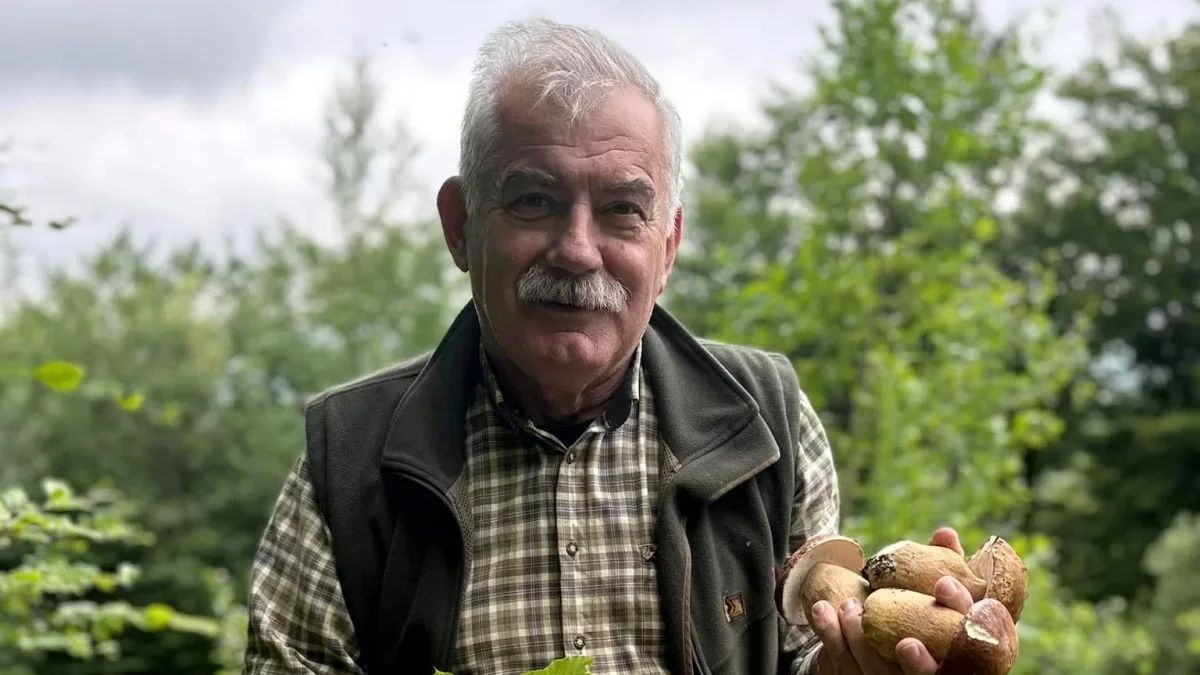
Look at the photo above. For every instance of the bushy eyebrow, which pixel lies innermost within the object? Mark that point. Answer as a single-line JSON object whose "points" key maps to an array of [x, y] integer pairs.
{"points": [[637, 188], [524, 176], [520, 177]]}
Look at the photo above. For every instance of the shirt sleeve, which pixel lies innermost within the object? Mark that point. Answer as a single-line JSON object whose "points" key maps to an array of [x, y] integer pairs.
{"points": [[816, 510], [298, 622]]}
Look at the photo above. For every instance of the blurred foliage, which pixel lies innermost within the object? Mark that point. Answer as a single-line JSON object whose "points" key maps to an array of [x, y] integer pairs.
{"points": [[1173, 613], [1115, 496], [53, 598], [994, 312], [1115, 202], [1113, 205], [55, 592]]}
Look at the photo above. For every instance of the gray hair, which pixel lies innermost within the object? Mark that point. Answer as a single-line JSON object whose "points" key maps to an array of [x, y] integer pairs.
{"points": [[573, 67]]}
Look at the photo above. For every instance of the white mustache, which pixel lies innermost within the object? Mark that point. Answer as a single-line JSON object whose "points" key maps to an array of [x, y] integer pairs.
{"points": [[593, 291]]}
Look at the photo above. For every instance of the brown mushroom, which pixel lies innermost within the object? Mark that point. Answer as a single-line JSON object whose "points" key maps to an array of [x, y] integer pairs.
{"points": [[1005, 572], [981, 642], [826, 567], [995, 571]]}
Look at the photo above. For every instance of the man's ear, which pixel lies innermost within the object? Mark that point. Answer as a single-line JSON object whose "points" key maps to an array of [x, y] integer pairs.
{"points": [[452, 209]]}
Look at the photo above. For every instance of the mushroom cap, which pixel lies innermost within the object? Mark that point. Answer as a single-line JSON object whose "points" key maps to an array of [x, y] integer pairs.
{"points": [[997, 563], [986, 643], [827, 548]]}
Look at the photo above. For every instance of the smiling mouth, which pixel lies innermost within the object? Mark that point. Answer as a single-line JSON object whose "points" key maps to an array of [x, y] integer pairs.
{"points": [[561, 307]]}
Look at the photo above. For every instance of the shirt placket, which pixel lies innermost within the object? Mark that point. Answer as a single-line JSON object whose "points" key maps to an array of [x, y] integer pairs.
{"points": [[572, 547]]}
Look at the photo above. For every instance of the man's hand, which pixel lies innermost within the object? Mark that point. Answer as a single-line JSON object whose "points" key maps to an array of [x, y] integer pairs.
{"points": [[844, 650]]}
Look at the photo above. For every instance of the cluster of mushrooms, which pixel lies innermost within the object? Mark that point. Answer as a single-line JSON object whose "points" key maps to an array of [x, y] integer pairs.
{"points": [[896, 589]]}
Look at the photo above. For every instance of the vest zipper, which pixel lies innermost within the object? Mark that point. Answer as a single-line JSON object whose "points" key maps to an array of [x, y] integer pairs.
{"points": [[689, 653], [448, 648], [692, 664]]}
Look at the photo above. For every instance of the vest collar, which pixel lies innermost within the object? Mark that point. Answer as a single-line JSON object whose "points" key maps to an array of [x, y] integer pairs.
{"points": [[701, 409]]}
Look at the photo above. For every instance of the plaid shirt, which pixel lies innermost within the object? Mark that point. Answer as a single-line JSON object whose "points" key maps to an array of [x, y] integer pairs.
{"points": [[563, 548]]}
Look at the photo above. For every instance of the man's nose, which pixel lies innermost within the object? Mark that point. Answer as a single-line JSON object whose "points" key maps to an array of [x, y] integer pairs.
{"points": [[575, 248]]}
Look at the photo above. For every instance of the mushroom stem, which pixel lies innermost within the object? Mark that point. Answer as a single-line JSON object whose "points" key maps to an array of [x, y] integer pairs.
{"points": [[832, 583], [981, 642], [825, 568], [917, 567], [995, 571], [892, 614]]}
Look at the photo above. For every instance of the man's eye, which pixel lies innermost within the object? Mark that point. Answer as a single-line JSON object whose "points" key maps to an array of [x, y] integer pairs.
{"points": [[626, 209], [532, 200]]}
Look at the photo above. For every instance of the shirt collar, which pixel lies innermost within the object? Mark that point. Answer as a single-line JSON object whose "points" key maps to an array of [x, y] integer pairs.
{"points": [[615, 414]]}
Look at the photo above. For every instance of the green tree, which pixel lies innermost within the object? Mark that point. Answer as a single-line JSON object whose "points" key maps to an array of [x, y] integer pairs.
{"points": [[856, 234], [1114, 199], [1112, 206], [312, 313], [219, 354], [55, 593]]}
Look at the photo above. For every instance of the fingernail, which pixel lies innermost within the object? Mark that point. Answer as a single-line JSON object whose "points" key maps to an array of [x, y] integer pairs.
{"points": [[944, 586], [908, 650], [850, 605], [818, 616]]}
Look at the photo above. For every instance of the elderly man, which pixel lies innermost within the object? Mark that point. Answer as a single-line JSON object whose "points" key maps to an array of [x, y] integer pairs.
{"points": [[569, 472]]}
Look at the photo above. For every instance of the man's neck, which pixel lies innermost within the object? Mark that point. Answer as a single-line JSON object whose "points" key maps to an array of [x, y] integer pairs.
{"points": [[552, 406]]}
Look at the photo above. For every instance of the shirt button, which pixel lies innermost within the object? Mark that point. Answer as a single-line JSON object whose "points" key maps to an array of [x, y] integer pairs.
{"points": [[572, 549], [570, 456], [580, 643]]}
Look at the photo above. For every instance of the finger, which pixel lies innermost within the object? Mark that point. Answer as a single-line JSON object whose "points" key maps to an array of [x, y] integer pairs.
{"points": [[951, 593], [827, 627], [914, 658], [868, 659], [946, 537]]}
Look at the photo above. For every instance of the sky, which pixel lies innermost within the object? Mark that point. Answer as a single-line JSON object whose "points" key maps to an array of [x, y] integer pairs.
{"points": [[201, 119]]}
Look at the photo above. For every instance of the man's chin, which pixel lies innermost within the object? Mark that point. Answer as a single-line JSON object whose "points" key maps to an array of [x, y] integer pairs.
{"points": [[564, 349]]}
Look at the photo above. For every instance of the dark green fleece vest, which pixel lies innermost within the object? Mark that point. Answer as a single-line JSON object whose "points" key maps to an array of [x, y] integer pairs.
{"points": [[387, 460]]}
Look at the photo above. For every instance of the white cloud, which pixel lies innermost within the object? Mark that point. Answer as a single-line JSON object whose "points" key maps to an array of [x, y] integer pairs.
{"points": [[171, 168]]}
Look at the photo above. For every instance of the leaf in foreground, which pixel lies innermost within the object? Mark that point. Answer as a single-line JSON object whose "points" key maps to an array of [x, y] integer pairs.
{"points": [[59, 375], [571, 665]]}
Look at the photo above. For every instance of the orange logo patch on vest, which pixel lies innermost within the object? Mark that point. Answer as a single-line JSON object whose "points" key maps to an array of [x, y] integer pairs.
{"points": [[734, 608]]}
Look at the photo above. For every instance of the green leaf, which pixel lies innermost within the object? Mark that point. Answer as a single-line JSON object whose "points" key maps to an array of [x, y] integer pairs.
{"points": [[57, 492], [131, 402], [158, 617], [171, 415], [571, 665], [105, 584], [985, 229], [59, 375], [958, 145]]}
